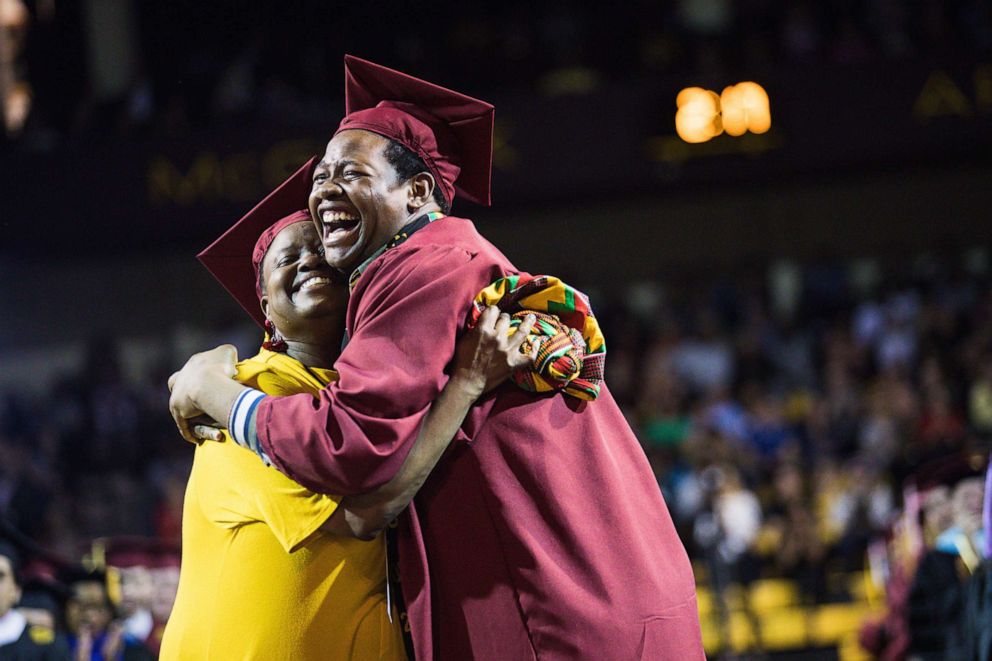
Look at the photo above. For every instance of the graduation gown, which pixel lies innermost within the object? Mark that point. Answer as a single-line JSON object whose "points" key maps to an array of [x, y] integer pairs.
{"points": [[542, 534]]}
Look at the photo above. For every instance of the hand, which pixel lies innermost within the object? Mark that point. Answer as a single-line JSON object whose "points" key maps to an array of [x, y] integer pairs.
{"points": [[84, 643], [195, 374], [206, 428], [489, 353], [114, 642]]}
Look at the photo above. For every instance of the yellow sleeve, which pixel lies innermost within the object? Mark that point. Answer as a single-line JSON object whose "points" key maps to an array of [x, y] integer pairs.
{"points": [[292, 512], [242, 489]]}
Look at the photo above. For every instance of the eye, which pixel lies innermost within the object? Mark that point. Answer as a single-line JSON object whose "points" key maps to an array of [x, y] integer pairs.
{"points": [[351, 174], [319, 177]]}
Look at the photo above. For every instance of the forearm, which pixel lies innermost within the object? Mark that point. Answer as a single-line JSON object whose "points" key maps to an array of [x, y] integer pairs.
{"points": [[367, 514]]}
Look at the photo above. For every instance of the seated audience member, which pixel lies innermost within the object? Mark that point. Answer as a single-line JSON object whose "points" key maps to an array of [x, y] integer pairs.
{"points": [[93, 632], [20, 640]]}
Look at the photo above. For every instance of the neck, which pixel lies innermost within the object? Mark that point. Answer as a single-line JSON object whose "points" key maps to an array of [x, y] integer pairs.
{"points": [[427, 208], [417, 213], [310, 354]]}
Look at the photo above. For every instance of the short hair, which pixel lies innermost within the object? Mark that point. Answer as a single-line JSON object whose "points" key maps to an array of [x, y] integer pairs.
{"points": [[407, 164]]}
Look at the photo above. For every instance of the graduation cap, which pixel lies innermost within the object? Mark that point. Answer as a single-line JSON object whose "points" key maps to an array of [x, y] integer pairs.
{"points": [[26, 556], [127, 551], [43, 593], [231, 258], [950, 470], [451, 132], [167, 555], [13, 555]]}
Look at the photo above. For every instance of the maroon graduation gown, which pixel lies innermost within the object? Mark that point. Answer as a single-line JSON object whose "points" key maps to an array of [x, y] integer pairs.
{"points": [[542, 534]]}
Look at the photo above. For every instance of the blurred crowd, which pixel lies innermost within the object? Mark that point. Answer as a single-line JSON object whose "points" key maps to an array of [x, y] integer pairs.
{"points": [[799, 418], [89, 70]]}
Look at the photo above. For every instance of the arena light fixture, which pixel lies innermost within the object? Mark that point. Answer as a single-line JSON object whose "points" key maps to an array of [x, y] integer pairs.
{"points": [[703, 115]]}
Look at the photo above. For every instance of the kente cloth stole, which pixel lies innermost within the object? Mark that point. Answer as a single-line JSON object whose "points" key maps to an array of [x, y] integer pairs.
{"points": [[572, 352]]}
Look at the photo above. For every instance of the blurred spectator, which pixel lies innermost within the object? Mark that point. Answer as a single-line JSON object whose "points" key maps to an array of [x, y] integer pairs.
{"points": [[93, 631], [129, 566], [249, 65], [21, 640], [980, 398]]}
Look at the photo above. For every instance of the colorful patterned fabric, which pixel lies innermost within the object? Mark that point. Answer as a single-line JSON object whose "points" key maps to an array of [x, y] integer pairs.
{"points": [[572, 353]]}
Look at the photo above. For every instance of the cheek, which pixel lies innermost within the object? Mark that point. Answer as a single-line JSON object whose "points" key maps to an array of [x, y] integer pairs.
{"points": [[312, 203]]}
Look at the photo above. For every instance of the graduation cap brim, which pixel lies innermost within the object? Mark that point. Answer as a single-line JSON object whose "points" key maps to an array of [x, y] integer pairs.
{"points": [[229, 257], [468, 119]]}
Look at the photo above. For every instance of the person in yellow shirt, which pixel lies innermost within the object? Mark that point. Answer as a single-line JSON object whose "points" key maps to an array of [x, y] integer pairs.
{"points": [[270, 569]]}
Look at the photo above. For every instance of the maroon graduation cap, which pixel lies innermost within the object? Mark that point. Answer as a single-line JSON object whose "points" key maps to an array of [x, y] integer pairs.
{"points": [[451, 132], [230, 257]]}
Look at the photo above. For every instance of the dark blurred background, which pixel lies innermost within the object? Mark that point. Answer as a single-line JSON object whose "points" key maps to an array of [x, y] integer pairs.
{"points": [[799, 323]]}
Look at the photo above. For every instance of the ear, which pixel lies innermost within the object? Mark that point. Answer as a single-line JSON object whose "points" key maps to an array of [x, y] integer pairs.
{"points": [[264, 303], [420, 191]]}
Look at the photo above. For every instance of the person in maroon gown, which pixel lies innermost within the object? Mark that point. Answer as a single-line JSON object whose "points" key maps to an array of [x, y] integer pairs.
{"points": [[542, 534]]}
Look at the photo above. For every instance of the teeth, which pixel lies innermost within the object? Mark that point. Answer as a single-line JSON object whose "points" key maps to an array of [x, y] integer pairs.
{"points": [[314, 282], [337, 216]]}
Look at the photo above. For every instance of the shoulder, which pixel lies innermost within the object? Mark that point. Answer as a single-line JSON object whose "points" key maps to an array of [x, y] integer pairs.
{"points": [[446, 245], [250, 368], [456, 233], [275, 374]]}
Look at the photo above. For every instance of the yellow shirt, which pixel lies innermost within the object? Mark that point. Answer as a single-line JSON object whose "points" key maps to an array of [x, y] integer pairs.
{"points": [[258, 581]]}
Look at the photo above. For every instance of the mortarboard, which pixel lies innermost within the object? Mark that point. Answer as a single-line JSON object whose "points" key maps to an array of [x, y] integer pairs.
{"points": [[167, 555], [127, 551], [13, 555], [451, 132], [949, 470], [43, 593], [230, 257]]}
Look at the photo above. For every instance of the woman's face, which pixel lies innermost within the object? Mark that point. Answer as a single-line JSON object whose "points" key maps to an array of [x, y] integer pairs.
{"points": [[299, 288]]}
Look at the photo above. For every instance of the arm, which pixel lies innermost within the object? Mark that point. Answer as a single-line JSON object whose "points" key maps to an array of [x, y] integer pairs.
{"points": [[406, 313], [484, 359]]}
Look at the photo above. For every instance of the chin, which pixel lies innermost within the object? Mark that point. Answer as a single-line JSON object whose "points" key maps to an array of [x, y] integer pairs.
{"points": [[345, 263]]}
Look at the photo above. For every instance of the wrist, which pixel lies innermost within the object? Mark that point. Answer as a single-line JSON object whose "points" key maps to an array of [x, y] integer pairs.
{"points": [[467, 387]]}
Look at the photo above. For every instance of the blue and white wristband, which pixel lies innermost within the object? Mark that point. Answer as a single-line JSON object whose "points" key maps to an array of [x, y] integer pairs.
{"points": [[241, 424]]}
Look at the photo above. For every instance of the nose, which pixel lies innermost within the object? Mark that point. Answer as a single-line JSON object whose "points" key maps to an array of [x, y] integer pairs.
{"points": [[326, 190], [311, 261]]}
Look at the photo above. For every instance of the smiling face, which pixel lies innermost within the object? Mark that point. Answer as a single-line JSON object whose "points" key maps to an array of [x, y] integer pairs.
{"points": [[299, 287], [356, 199]]}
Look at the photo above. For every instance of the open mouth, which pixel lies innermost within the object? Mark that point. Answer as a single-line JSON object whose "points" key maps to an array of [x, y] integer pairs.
{"points": [[338, 225]]}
